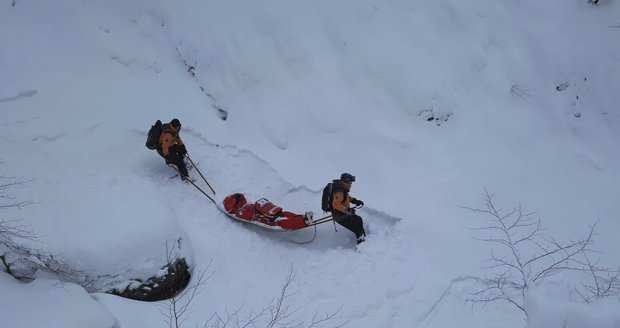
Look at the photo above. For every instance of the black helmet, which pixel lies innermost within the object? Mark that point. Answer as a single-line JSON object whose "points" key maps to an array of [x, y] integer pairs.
{"points": [[346, 177], [175, 122]]}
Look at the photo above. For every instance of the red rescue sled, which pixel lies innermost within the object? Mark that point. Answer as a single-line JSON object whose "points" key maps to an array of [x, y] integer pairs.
{"points": [[265, 214]]}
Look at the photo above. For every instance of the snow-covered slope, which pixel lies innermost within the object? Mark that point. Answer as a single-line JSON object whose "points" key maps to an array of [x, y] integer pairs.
{"points": [[427, 103]]}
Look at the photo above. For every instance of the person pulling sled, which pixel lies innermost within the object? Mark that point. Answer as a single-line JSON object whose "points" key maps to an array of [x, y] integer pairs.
{"points": [[336, 199], [166, 140]]}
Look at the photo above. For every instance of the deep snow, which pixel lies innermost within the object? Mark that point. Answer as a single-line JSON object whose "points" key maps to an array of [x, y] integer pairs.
{"points": [[521, 96]]}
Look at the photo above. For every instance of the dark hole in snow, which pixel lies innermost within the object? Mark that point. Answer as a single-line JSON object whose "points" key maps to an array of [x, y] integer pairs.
{"points": [[562, 86], [222, 114]]}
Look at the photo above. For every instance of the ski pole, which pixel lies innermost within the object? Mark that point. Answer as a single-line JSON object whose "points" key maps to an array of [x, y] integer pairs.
{"points": [[202, 176], [322, 220], [194, 184], [202, 191]]}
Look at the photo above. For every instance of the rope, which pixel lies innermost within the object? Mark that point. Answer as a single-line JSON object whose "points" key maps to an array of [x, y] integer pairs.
{"points": [[305, 242]]}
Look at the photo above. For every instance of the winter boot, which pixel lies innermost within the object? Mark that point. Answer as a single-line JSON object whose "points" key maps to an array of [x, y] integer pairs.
{"points": [[361, 239], [308, 216]]}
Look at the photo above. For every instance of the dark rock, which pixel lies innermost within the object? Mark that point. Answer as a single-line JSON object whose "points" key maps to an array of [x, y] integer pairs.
{"points": [[159, 288]]}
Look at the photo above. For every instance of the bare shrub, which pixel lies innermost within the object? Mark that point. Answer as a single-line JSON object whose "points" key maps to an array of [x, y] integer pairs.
{"points": [[19, 260], [524, 256], [277, 313]]}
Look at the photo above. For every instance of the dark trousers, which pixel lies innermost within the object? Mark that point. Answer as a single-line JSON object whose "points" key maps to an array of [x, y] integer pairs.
{"points": [[174, 157], [352, 222]]}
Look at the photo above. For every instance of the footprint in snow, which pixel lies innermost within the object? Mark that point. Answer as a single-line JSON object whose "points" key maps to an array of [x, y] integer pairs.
{"points": [[23, 94]]}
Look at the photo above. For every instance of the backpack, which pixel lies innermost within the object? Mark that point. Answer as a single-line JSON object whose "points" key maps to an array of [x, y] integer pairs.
{"points": [[326, 203], [267, 209], [232, 203], [152, 139]]}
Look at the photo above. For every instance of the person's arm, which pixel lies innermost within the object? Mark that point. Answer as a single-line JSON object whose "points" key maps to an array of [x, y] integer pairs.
{"points": [[337, 202], [356, 201], [182, 148], [166, 139]]}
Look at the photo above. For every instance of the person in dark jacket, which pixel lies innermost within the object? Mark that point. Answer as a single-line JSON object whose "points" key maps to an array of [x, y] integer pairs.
{"points": [[172, 148], [341, 202]]}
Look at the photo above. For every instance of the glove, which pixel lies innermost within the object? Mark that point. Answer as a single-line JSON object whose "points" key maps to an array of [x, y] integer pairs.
{"points": [[182, 150], [168, 161], [357, 202]]}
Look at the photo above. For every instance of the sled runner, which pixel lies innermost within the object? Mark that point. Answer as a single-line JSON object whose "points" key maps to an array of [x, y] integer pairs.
{"points": [[265, 214]]}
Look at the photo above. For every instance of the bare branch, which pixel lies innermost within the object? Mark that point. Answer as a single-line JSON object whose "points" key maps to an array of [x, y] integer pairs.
{"points": [[7, 183], [513, 271], [276, 314], [178, 307], [279, 311], [317, 320]]}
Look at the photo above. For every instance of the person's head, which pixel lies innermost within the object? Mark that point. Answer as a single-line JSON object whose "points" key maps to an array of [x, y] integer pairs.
{"points": [[176, 124], [347, 178]]}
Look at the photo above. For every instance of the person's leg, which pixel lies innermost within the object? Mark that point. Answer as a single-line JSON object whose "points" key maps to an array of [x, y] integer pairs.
{"points": [[177, 160], [358, 225], [362, 236], [355, 224]]}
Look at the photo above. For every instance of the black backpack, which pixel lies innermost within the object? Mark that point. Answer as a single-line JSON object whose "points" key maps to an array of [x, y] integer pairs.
{"points": [[328, 194], [326, 203], [152, 139]]}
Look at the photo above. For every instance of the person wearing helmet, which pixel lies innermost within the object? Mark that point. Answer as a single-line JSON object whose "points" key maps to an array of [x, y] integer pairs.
{"points": [[172, 148], [341, 210]]}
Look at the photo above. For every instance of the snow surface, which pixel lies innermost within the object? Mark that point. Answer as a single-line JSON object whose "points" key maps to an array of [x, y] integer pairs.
{"points": [[426, 102]]}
